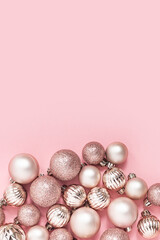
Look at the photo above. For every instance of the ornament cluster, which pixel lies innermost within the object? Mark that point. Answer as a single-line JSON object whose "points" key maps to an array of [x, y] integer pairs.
{"points": [[83, 201]]}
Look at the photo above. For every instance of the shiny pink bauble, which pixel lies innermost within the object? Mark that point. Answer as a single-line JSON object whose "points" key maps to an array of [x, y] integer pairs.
{"points": [[45, 191], [114, 234], [117, 153], [93, 153], [28, 215], [153, 194], [65, 165], [61, 234], [2, 217], [38, 233], [23, 168]]}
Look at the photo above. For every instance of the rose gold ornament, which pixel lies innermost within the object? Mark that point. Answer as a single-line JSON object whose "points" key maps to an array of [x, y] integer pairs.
{"points": [[23, 168], [65, 165], [60, 234], [114, 234], [93, 153], [37, 233], [114, 179], [11, 231], [89, 176], [58, 216], [148, 226], [123, 212], [153, 195], [28, 215], [117, 153], [98, 198], [45, 191], [74, 196], [15, 195], [136, 188], [2, 217]]}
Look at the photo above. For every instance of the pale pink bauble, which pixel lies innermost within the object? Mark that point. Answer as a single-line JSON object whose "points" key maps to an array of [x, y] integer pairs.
{"points": [[65, 165], [45, 191], [153, 194], [28, 215], [114, 234], [61, 234], [2, 217]]}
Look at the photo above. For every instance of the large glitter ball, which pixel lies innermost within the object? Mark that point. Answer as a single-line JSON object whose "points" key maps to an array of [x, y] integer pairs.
{"points": [[61, 234], [153, 194], [2, 216], [114, 234], [11, 232], [45, 191], [98, 198], [93, 153], [15, 195], [28, 215], [65, 165]]}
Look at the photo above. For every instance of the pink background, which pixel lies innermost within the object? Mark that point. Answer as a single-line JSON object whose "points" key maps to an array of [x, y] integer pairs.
{"points": [[75, 71]]}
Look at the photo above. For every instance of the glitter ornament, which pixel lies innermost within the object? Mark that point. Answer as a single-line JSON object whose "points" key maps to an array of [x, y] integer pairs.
{"points": [[117, 153], [2, 216], [45, 191], [60, 234], [98, 198], [153, 195], [15, 195], [148, 226], [28, 215], [11, 231], [65, 165], [37, 233], [89, 176], [74, 196], [114, 179], [58, 216], [114, 234], [93, 153]]}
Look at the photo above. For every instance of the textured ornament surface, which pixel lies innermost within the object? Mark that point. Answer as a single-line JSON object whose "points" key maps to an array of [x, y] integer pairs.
{"points": [[114, 234], [28, 215], [61, 234], [98, 198], [114, 179], [153, 194], [74, 196], [11, 232], [2, 216], [15, 195], [58, 216]]}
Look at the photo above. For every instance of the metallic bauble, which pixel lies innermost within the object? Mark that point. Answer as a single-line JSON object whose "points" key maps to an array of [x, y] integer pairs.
{"points": [[15, 195], [117, 153], [98, 198], [153, 195], [38, 233], [89, 176], [11, 231]]}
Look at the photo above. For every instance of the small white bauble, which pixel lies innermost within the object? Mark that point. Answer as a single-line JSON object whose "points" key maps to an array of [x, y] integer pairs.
{"points": [[37, 233], [89, 176]]}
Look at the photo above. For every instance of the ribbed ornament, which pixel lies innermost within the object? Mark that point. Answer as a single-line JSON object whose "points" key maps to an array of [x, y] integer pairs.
{"points": [[149, 225], [11, 232], [98, 198], [74, 196], [15, 195], [114, 179], [58, 216]]}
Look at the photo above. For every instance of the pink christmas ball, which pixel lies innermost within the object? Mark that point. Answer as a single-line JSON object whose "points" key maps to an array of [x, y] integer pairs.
{"points": [[61, 234]]}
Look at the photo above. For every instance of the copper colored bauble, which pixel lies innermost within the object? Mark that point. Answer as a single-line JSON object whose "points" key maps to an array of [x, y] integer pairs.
{"points": [[114, 234], [98, 198], [153, 195], [11, 232]]}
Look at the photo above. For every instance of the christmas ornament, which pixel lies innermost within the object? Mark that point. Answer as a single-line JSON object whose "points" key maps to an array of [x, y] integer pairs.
{"points": [[89, 176], [37, 233], [85, 222], [117, 153], [93, 153], [114, 234], [65, 165], [74, 196], [98, 198], [23, 168], [2, 216], [122, 212], [60, 234], [136, 188], [45, 191], [148, 226], [153, 195], [114, 179], [12, 232], [58, 216], [28, 215]]}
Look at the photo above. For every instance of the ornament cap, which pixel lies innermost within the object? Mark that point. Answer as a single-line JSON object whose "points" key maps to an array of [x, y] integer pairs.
{"points": [[147, 203], [145, 213], [121, 191], [131, 175], [128, 229], [49, 227], [103, 163], [3, 202], [16, 221], [63, 188]]}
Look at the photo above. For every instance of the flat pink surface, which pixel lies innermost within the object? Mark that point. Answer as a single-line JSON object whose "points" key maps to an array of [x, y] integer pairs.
{"points": [[75, 71]]}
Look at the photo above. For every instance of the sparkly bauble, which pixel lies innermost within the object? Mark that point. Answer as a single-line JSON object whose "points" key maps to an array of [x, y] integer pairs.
{"points": [[136, 188], [2, 217], [58, 216], [65, 165], [45, 191], [11, 232], [98, 198], [117, 153], [15, 195], [93, 153], [23, 168], [122, 212], [74, 196], [148, 226], [28, 215], [85, 222], [38, 233], [153, 195], [89, 176], [60, 234], [114, 179], [114, 234]]}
